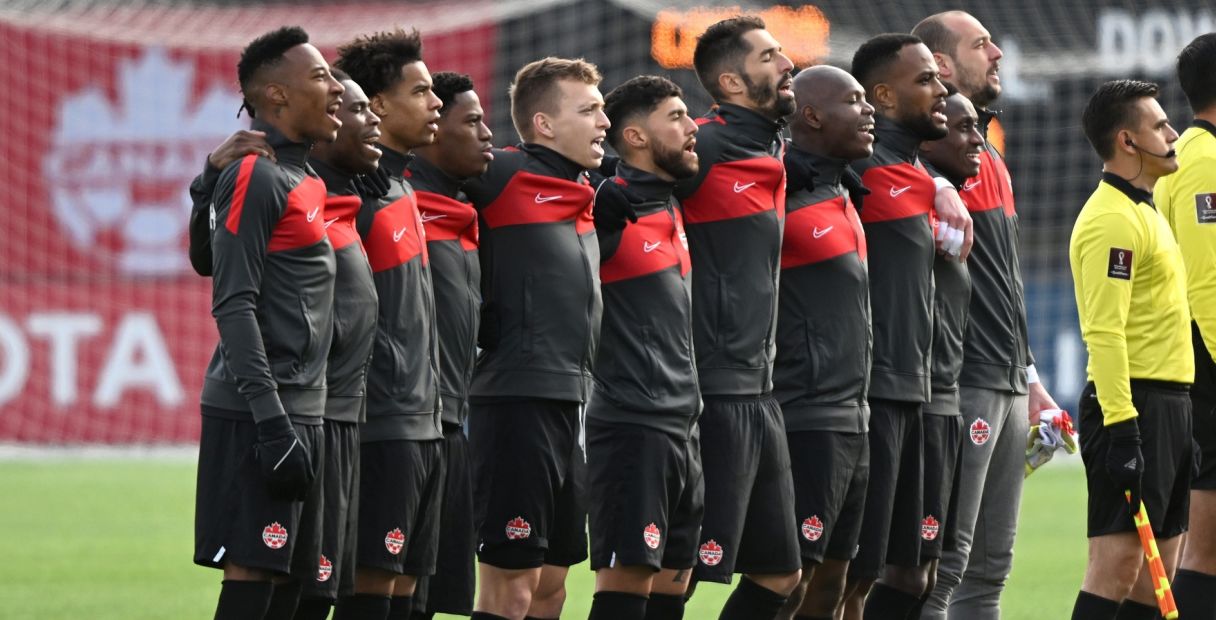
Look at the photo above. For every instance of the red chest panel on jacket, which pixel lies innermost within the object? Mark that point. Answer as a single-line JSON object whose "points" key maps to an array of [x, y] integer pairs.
{"points": [[896, 192], [396, 236], [534, 199], [340, 214], [991, 189], [821, 231], [739, 188], [653, 244], [447, 219], [303, 221]]}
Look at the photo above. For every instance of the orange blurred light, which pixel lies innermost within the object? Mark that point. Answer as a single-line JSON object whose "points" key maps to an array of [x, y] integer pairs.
{"points": [[802, 32]]}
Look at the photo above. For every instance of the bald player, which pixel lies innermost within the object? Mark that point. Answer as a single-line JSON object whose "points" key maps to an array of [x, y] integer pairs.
{"points": [[823, 342]]}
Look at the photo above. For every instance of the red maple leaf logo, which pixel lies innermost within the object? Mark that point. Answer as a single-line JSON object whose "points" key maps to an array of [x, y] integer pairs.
{"points": [[929, 528], [812, 528], [651, 536], [394, 541], [324, 569], [518, 529], [980, 432], [274, 535], [711, 553]]}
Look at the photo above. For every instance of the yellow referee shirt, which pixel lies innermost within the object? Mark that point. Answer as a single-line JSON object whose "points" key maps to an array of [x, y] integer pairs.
{"points": [[1187, 200], [1129, 280]]}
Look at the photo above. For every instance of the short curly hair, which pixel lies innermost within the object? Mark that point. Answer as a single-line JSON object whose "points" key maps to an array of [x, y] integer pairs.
{"points": [[374, 61]]}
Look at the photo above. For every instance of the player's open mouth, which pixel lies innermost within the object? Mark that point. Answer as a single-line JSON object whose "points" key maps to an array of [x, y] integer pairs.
{"points": [[488, 153], [691, 146], [973, 156], [939, 112], [370, 139], [597, 146], [332, 111], [866, 129], [786, 86]]}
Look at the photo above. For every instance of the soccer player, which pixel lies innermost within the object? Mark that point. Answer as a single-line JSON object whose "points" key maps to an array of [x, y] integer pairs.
{"points": [[1135, 412], [1185, 199], [823, 342], [733, 211], [999, 391], [956, 158], [272, 298], [539, 326], [461, 150], [645, 491], [900, 78], [401, 476]]}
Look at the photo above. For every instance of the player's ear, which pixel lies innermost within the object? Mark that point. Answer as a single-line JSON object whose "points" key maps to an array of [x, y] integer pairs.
{"points": [[275, 94], [634, 137], [945, 68], [811, 117], [542, 125], [884, 96], [731, 83], [1125, 142], [378, 105]]}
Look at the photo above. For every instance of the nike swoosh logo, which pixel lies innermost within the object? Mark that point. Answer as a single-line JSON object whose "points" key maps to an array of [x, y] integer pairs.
{"points": [[648, 247], [428, 218], [816, 233], [397, 234], [315, 210], [329, 222], [896, 192], [740, 188], [543, 199], [969, 186]]}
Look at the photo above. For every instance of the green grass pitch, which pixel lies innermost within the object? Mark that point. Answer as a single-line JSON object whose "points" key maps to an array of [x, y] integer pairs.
{"points": [[103, 539]]}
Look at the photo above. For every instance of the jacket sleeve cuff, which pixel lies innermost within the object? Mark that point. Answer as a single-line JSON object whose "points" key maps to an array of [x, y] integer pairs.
{"points": [[266, 406]]}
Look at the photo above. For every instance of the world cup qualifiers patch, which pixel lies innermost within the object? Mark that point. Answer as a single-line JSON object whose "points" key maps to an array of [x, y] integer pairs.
{"points": [[1120, 265], [1205, 211]]}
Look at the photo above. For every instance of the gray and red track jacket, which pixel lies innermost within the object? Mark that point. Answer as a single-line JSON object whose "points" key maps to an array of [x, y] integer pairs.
{"points": [[272, 286], [733, 212], [645, 372], [540, 266], [996, 349], [951, 300], [355, 301], [450, 222], [823, 315], [403, 383], [899, 220]]}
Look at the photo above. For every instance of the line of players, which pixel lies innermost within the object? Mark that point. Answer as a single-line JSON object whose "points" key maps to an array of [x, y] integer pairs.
{"points": [[797, 408]]}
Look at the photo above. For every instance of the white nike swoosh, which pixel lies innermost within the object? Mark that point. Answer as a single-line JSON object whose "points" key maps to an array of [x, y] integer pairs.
{"points": [[541, 199], [740, 188], [896, 192], [648, 247], [427, 218], [329, 222], [816, 233], [315, 210], [398, 234], [969, 186]]}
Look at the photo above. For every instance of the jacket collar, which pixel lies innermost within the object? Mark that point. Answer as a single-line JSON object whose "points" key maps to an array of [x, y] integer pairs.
{"points": [[644, 183], [1133, 193], [1204, 125], [985, 117], [827, 169], [896, 137], [555, 162], [336, 181], [285, 151], [749, 119], [426, 176], [393, 161]]}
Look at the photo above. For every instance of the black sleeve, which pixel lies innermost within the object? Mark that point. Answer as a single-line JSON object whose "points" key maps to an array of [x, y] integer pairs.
{"points": [[202, 190]]}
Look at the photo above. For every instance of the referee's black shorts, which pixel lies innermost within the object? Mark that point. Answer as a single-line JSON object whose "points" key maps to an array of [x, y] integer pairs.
{"points": [[236, 520], [831, 472], [893, 516], [1165, 434]]}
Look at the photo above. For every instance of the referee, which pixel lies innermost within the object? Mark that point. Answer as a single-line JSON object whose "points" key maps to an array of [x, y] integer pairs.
{"points": [[1135, 411]]}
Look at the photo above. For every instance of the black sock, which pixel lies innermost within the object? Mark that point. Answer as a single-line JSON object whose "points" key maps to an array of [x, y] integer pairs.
{"points": [[1132, 610], [284, 601], [608, 605], [401, 607], [363, 607], [751, 601], [244, 600], [665, 607], [313, 608], [885, 603], [482, 615], [1093, 607], [1195, 593]]}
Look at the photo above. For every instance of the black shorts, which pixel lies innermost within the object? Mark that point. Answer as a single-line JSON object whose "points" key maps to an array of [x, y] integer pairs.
{"points": [[450, 589], [235, 518], [749, 524], [1204, 429], [646, 497], [1165, 433], [891, 525], [831, 471], [335, 569], [939, 527], [400, 491], [528, 483]]}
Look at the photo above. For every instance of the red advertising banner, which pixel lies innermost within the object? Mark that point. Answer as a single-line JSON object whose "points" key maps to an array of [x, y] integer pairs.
{"points": [[109, 113]]}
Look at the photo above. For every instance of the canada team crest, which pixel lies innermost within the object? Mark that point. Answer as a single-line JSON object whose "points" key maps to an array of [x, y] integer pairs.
{"points": [[710, 553], [929, 528], [274, 535], [324, 569], [394, 541], [651, 536], [980, 432], [518, 529], [812, 528]]}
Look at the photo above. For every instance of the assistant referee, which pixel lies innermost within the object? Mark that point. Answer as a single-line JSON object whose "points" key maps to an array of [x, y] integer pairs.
{"points": [[1135, 411]]}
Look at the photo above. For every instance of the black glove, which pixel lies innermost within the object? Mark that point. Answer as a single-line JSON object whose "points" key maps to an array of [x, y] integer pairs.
{"points": [[1124, 460], [374, 185], [614, 204], [284, 460]]}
